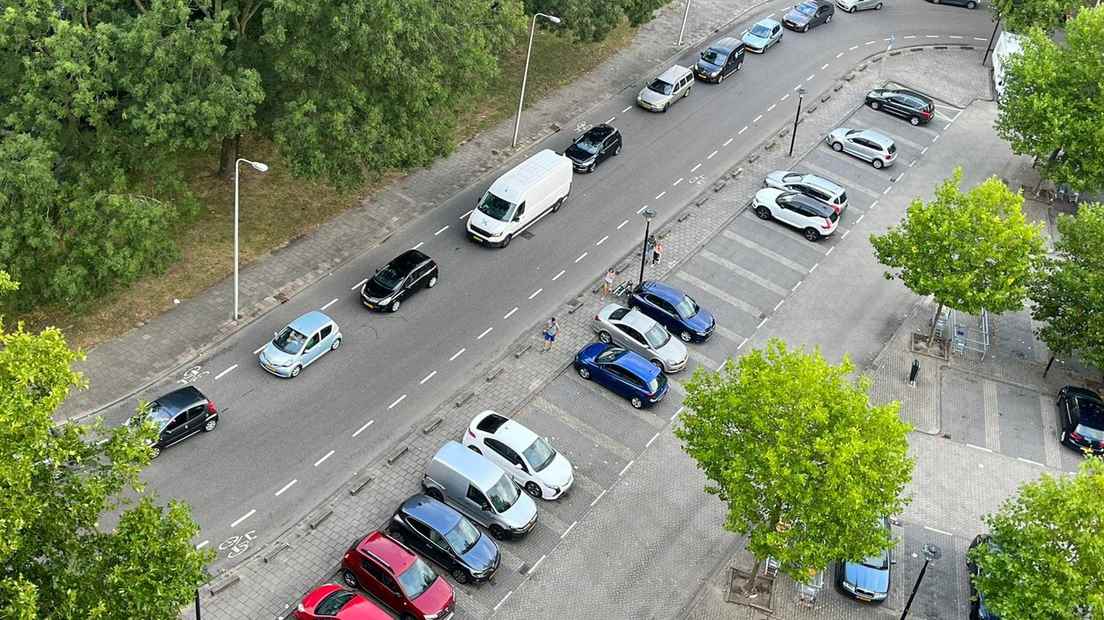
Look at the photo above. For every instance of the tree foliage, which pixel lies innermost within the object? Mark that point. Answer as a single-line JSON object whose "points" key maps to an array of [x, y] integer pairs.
{"points": [[58, 483], [1023, 15], [1047, 557], [971, 251], [803, 461], [1068, 294], [588, 20], [1052, 107]]}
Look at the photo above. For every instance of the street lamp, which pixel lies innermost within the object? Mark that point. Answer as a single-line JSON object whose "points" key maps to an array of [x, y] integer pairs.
{"points": [[931, 553], [649, 215], [797, 117], [525, 74], [992, 40], [685, 14], [259, 167]]}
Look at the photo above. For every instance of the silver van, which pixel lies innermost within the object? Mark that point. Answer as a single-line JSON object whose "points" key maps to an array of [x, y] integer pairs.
{"points": [[665, 90], [480, 490]]}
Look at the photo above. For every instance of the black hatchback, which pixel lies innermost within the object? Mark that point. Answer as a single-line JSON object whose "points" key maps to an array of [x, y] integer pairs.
{"points": [[908, 104], [446, 537], [178, 415], [592, 147], [1081, 419], [397, 280]]}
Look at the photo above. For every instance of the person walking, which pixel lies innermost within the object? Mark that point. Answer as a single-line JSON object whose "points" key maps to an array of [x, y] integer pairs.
{"points": [[657, 252], [551, 330], [607, 282]]}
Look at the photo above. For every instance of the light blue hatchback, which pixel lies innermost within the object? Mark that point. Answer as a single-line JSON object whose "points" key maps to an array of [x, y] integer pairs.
{"points": [[299, 344]]}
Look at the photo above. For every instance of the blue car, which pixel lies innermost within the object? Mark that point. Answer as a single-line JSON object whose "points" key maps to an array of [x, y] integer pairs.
{"points": [[867, 581], [764, 34], [623, 372], [300, 344], [675, 310]]}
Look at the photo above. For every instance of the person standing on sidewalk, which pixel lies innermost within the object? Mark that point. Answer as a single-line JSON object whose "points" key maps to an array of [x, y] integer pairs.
{"points": [[607, 282], [657, 252], [551, 330]]}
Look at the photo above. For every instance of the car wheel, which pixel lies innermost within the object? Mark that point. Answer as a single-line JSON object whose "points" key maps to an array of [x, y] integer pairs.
{"points": [[604, 337], [811, 234], [685, 336], [617, 151], [878, 7], [739, 65], [584, 372], [498, 532], [507, 240], [658, 364], [432, 282], [874, 105], [395, 305], [763, 212], [837, 147], [852, 9], [1062, 438], [155, 452], [532, 488], [460, 575], [914, 121], [295, 371], [686, 93], [636, 402], [666, 107], [720, 77], [559, 203], [971, 5], [337, 343], [435, 493], [210, 425], [591, 169], [349, 578], [877, 163]]}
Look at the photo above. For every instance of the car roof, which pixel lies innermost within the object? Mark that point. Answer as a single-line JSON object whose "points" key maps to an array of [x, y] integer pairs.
{"points": [[476, 468], [673, 74], [808, 201], [637, 320], [726, 44], [821, 182], [600, 131], [409, 260], [310, 322], [637, 365], [178, 400], [392, 553], [514, 434], [666, 292], [905, 91], [875, 136], [433, 513]]}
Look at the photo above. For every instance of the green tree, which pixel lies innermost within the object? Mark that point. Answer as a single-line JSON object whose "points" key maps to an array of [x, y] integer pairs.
{"points": [[1052, 108], [1068, 294], [592, 21], [803, 461], [1022, 15], [59, 482], [971, 251], [1046, 561]]}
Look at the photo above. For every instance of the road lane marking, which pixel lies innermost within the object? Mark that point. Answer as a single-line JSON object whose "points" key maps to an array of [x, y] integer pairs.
{"points": [[696, 166], [286, 487], [798, 87], [772, 107], [260, 349], [503, 600], [397, 401], [676, 414], [742, 343], [811, 76], [581, 257], [358, 284], [872, 205], [652, 440], [761, 323], [824, 66], [814, 267], [661, 195], [839, 54], [757, 119], [795, 287], [487, 331], [830, 250], [600, 242], [361, 429], [860, 218], [870, 43], [538, 563], [785, 97], [323, 459], [427, 377], [569, 528], [912, 163], [680, 180], [976, 39], [244, 517], [853, 47], [223, 373], [953, 36], [332, 302], [935, 139], [420, 244], [626, 468], [598, 498], [742, 130], [910, 36], [886, 190], [441, 230], [727, 142], [711, 155], [982, 448], [938, 531], [778, 305], [538, 291], [626, 109], [511, 313], [622, 224], [466, 213], [203, 544], [457, 354], [556, 277], [1029, 461], [923, 150], [932, 36], [845, 233]]}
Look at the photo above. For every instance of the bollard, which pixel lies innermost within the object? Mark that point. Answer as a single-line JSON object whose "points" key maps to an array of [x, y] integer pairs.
{"points": [[913, 372]]}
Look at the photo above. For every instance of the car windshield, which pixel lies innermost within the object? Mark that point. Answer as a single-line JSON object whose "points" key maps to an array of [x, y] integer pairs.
{"points": [[760, 30], [289, 341], [609, 355], [333, 603], [806, 8], [496, 207], [589, 144], [416, 579], [880, 561], [687, 307], [503, 494], [540, 454], [159, 415], [388, 278], [657, 336], [714, 57], [462, 537], [661, 87]]}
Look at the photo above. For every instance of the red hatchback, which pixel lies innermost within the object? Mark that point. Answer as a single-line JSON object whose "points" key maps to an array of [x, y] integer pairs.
{"points": [[332, 602], [395, 575]]}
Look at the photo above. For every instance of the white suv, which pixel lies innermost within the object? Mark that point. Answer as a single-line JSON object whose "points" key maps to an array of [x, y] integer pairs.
{"points": [[525, 456], [813, 218]]}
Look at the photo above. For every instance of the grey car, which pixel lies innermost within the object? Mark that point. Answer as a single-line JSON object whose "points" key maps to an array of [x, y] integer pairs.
{"points": [[850, 6], [866, 144], [300, 344], [640, 334], [825, 190], [765, 33]]}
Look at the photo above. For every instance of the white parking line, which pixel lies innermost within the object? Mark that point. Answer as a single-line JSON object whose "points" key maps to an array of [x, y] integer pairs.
{"points": [[785, 97], [772, 107], [286, 487], [260, 349], [332, 302], [778, 305], [223, 373], [675, 184], [796, 286], [744, 342], [923, 150], [457, 354], [953, 36], [441, 230], [661, 195], [886, 190], [538, 563], [511, 313], [487, 331], [981, 39], [696, 166], [581, 257], [558, 275], [860, 218], [651, 441], [598, 498], [361, 429], [721, 365], [931, 36], [598, 243], [420, 244], [870, 43], [503, 600], [466, 213], [622, 224], [397, 401], [538, 291], [358, 284], [626, 468], [711, 155], [982, 448], [244, 517], [742, 130], [872, 206], [761, 323], [610, 119], [937, 531], [824, 66], [727, 142], [323, 459], [676, 414], [569, 528], [910, 36], [814, 267], [203, 544], [839, 54], [845, 233], [912, 163], [935, 139], [626, 109], [829, 252], [853, 47], [1029, 461], [757, 119], [811, 76], [427, 377]]}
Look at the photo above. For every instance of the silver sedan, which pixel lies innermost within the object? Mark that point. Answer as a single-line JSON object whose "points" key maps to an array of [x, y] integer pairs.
{"points": [[639, 333]]}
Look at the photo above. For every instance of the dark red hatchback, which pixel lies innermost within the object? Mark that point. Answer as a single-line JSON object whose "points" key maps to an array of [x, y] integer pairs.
{"points": [[394, 575]]}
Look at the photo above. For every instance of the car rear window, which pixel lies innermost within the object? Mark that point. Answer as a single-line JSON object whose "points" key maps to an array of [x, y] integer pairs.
{"points": [[892, 148], [842, 198], [1090, 433], [618, 314]]}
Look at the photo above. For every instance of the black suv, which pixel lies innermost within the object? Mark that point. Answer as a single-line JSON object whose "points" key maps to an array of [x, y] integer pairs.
{"points": [[178, 415], [908, 104], [722, 59], [590, 148], [396, 280], [1081, 419], [445, 536]]}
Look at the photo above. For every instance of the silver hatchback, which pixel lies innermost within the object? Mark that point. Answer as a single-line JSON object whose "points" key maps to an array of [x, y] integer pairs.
{"points": [[639, 333], [867, 144]]}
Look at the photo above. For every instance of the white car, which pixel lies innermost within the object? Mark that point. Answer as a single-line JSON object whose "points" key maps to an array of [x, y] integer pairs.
{"points": [[529, 459], [813, 218]]}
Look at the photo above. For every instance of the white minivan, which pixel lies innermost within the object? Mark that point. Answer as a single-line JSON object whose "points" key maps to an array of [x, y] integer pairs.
{"points": [[517, 199]]}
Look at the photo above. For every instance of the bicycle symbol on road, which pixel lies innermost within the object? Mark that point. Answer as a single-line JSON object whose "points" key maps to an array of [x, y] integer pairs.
{"points": [[193, 373], [581, 126], [696, 180], [237, 545]]}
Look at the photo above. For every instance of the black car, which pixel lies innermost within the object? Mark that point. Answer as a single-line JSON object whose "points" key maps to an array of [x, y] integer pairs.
{"points": [[178, 415], [396, 280], [978, 611], [445, 536], [721, 60], [590, 148], [809, 14], [908, 104], [970, 4], [1081, 419]]}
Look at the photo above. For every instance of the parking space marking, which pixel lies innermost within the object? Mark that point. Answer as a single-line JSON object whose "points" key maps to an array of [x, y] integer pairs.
{"points": [[626, 109], [886, 190], [559, 275], [846, 232], [260, 349], [870, 43], [581, 257], [757, 119], [600, 496], [441, 230], [778, 305], [680, 180], [771, 254], [600, 242], [203, 544], [397, 401], [912, 163], [728, 333], [503, 600], [860, 218], [1029, 461], [830, 250], [719, 294], [742, 130], [696, 166], [358, 284], [223, 373], [361, 429], [420, 244], [852, 48], [427, 377], [538, 563], [701, 358], [332, 302], [511, 313], [622, 224], [323, 459], [853, 162], [610, 119], [761, 323], [244, 517], [727, 142], [814, 267], [711, 155], [744, 342], [568, 530], [457, 354], [626, 468], [897, 138], [982, 448], [931, 36], [581, 427], [286, 487], [740, 271], [850, 185], [661, 195], [651, 441], [466, 213], [872, 206], [796, 286], [487, 331], [772, 107], [937, 531]]}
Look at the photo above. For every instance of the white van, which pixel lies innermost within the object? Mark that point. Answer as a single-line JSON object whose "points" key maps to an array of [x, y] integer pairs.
{"points": [[1007, 45], [517, 199]]}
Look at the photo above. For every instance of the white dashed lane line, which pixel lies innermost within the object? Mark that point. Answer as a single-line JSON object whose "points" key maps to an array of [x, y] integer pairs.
{"points": [[610, 119], [660, 195], [711, 155], [487, 331], [362, 429], [626, 109], [598, 243], [953, 36], [626, 468], [323, 459], [535, 565], [727, 142], [981, 39], [420, 244], [651, 441], [397, 401], [680, 180], [696, 166], [332, 302], [581, 257], [931, 36], [503, 600], [285, 487], [742, 130], [824, 66], [910, 36], [853, 48], [772, 107], [511, 313], [259, 349], [456, 355], [600, 495], [829, 252], [466, 213], [358, 284], [427, 377], [559, 275], [839, 54], [243, 518], [870, 43], [535, 293], [810, 78], [785, 97], [757, 119], [622, 224], [223, 373], [568, 530], [938, 531], [203, 544], [441, 230], [641, 209]]}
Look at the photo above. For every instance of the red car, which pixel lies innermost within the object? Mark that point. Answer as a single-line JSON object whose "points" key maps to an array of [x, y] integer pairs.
{"points": [[397, 577], [332, 602]]}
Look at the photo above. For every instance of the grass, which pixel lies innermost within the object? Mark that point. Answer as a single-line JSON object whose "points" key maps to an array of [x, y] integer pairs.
{"points": [[276, 208]]}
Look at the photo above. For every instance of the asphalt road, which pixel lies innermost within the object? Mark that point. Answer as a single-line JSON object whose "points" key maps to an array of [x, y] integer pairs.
{"points": [[284, 445]]}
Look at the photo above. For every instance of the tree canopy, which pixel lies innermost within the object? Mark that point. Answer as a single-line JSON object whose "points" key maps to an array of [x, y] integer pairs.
{"points": [[971, 251], [1046, 560], [1022, 15], [803, 461], [588, 20], [1052, 107]]}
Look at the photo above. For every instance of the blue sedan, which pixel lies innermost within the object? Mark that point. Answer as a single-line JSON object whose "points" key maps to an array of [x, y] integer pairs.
{"points": [[625, 373], [675, 310], [765, 33]]}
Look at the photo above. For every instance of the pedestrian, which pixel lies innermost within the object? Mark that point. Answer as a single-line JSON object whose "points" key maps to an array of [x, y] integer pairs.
{"points": [[607, 282], [551, 330], [657, 252]]}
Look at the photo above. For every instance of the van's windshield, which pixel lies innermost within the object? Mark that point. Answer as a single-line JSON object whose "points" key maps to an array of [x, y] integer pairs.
{"points": [[496, 207], [661, 87], [503, 494]]}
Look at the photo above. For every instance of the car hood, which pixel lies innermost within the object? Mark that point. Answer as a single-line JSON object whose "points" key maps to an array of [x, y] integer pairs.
{"points": [[521, 513], [558, 473], [648, 95], [706, 66], [797, 17], [674, 352], [591, 351], [372, 290], [274, 356], [482, 555], [703, 321], [486, 222], [574, 153], [435, 599], [754, 40], [870, 579]]}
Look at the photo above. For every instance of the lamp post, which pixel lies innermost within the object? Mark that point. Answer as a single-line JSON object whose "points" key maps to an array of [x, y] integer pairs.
{"points": [[199, 615], [685, 14], [797, 117], [931, 553], [992, 40], [259, 167], [525, 74], [649, 215]]}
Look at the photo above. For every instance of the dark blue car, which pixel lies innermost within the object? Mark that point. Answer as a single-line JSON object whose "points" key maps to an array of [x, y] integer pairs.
{"points": [[445, 536], [675, 310], [623, 372]]}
